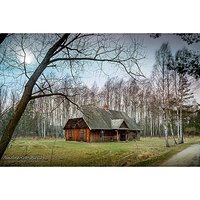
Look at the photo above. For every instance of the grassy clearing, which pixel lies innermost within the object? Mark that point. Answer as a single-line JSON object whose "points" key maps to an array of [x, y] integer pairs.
{"points": [[50, 152]]}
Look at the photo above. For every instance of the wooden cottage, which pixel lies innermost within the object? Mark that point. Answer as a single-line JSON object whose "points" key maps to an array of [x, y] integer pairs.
{"points": [[101, 124]]}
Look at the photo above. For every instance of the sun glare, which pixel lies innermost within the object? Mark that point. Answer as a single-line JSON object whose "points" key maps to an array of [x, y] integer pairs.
{"points": [[26, 57]]}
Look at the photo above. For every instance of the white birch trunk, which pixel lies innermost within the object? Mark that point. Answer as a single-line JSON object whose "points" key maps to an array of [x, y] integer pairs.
{"points": [[166, 134], [178, 125], [165, 122], [181, 126], [172, 132]]}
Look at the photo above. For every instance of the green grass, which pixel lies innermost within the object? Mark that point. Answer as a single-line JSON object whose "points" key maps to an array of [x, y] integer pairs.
{"points": [[50, 152]]}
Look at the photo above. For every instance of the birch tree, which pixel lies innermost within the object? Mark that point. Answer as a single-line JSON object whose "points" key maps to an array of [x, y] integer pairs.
{"points": [[163, 60]]}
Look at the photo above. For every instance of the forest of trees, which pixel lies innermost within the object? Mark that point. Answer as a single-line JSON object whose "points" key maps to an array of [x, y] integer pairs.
{"points": [[162, 105]]}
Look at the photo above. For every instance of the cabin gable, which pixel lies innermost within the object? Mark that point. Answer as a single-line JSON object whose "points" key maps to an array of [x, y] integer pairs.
{"points": [[123, 125], [76, 123]]}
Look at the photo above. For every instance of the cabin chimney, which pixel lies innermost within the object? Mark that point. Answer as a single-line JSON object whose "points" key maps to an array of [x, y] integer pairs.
{"points": [[106, 108]]}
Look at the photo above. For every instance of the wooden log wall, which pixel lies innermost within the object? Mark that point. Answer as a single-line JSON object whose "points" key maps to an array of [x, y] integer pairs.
{"points": [[76, 135]]}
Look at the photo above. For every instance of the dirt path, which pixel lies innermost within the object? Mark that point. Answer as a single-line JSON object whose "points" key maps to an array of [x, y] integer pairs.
{"points": [[187, 157]]}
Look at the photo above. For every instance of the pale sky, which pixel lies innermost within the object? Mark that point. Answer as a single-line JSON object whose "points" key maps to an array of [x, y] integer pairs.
{"points": [[150, 46], [92, 73]]}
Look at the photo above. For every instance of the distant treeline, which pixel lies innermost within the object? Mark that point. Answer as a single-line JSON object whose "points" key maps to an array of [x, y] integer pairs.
{"points": [[46, 117]]}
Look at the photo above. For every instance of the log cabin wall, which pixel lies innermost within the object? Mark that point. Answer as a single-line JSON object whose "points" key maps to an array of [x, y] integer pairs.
{"points": [[107, 136], [75, 135], [95, 136], [87, 135]]}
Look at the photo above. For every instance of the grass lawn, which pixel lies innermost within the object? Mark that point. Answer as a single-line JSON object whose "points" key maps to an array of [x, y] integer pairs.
{"points": [[51, 152]]}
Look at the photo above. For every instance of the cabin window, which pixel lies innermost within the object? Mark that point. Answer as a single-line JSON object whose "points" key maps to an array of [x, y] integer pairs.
{"points": [[70, 135], [81, 134]]}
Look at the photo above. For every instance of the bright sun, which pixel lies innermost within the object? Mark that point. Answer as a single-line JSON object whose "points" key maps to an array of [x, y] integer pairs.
{"points": [[27, 57]]}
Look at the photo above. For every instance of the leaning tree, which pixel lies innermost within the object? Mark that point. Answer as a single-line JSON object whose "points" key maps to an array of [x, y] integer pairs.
{"points": [[58, 51]]}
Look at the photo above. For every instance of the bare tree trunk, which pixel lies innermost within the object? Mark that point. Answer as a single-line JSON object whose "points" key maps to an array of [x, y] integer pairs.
{"points": [[165, 122], [181, 126], [7, 135], [172, 132], [166, 135], [159, 132], [3, 37], [178, 125], [26, 97], [152, 127]]}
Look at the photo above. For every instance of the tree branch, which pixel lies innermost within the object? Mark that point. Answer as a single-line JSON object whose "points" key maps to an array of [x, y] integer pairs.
{"points": [[55, 94]]}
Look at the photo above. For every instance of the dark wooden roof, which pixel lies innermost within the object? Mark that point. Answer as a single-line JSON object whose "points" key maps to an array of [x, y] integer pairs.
{"points": [[75, 123], [98, 118]]}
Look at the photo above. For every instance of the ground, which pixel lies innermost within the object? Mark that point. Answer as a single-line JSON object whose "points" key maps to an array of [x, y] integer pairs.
{"points": [[187, 157], [57, 152]]}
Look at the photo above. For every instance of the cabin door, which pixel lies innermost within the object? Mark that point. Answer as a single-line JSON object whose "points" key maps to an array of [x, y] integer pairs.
{"points": [[123, 136]]}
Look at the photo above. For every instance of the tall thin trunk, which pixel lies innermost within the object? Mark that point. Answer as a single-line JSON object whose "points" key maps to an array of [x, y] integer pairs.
{"points": [[165, 123], [178, 125], [159, 132], [166, 135], [44, 128], [151, 124], [181, 126], [172, 132]]}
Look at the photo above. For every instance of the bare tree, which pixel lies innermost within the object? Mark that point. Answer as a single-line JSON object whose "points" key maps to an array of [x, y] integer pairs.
{"points": [[71, 50], [163, 61]]}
